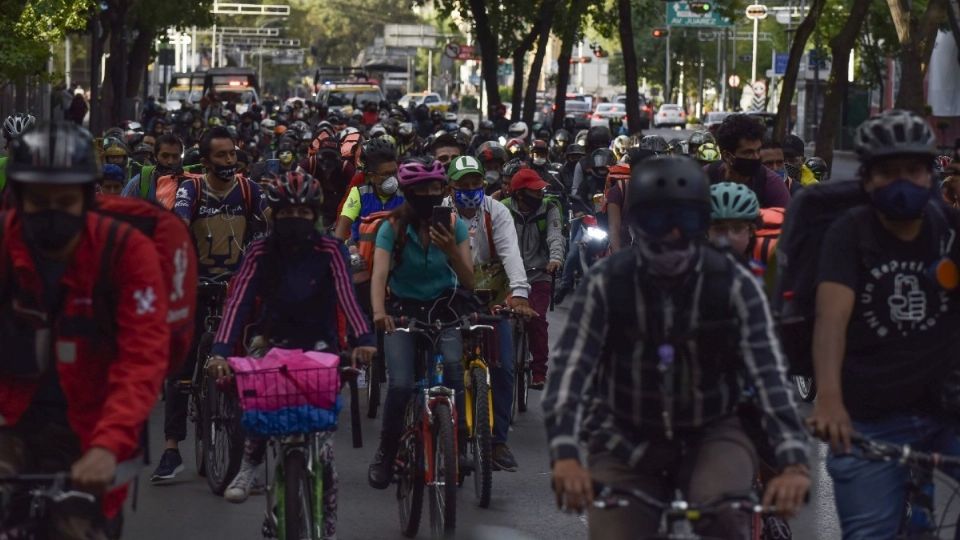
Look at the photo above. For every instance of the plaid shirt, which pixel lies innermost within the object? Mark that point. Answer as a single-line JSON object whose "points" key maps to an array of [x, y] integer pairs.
{"points": [[610, 401]]}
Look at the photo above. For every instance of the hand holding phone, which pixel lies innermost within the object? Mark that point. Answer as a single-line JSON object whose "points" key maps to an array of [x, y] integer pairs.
{"points": [[441, 217]]}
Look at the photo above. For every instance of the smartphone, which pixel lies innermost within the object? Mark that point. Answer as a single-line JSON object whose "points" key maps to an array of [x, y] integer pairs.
{"points": [[273, 167], [441, 217]]}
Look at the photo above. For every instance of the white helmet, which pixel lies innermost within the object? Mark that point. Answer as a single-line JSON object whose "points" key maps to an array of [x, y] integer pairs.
{"points": [[518, 130], [15, 124]]}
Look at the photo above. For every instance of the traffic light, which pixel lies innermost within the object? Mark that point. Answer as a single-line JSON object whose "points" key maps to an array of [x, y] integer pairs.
{"points": [[660, 33], [701, 8]]}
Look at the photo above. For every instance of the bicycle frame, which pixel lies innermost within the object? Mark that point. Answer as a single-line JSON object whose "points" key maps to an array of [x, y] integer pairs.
{"points": [[474, 357], [312, 446]]}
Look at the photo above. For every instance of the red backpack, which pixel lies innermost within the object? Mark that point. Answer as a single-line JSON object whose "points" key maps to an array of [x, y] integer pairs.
{"points": [[178, 262]]}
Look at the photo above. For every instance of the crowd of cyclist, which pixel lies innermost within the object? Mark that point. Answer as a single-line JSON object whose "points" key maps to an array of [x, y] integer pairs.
{"points": [[326, 226]]}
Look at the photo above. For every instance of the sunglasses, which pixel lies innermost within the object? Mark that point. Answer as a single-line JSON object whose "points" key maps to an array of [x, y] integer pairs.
{"points": [[690, 219]]}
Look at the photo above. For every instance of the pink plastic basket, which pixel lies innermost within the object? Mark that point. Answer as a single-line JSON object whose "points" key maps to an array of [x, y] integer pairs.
{"points": [[287, 378]]}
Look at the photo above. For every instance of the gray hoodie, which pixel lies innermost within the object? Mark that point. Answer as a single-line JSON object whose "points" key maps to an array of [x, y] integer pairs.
{"points": [[540, 237]]}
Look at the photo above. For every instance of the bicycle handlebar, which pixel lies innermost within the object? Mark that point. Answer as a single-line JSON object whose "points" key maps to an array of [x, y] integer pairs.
{"points": [[884, 451], [608, 496]]}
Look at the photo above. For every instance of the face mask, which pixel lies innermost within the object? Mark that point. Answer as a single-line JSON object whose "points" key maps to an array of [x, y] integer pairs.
{"points": [[666, 259], [901, 201], [164, 170], [782, 173], [292, 231], [491, 178], [389, 186], [51, 230], [539, 161], [746, 167], [793, 171], [225, 172], [531, 203], [468, 198], [423, 204]]}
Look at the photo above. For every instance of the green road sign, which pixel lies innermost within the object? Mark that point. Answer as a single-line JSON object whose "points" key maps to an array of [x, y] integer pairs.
{"points": [[680, 14]]}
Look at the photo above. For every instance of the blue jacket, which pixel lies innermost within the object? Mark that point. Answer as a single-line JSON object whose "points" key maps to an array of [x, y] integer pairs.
{"points": [[370, 203]]}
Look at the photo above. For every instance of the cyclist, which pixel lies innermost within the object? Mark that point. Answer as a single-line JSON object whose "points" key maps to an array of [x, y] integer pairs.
{"points": [[734, 210], [571, 158], [167, 153], [771, 155], [617, 223], [301, 276], [884, 332], [819, 168], [379, 191], [426, 262], [793, 153], [698, 138], [498, 266], [111, 180], [76, 391], [707, 153], [739, 138], [558, 145], [492, 156], [445, 148], [538, 229], [13, 126], [639, 428], [223, 211], [326, 166]]}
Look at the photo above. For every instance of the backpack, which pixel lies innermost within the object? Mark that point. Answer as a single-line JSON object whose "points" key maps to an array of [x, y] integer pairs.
{"points": [[367, 244], [146, 173], [246, 191], [178, 263], [548, 200]]}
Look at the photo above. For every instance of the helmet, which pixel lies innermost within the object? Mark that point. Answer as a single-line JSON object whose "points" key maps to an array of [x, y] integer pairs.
{"points": [[709, 152], [113, 133], [561, 137], [819, 168], [115, 150], [542, 132], [463, 166], [575, 150], [379, 145], [268, 124], [406, 133], [698, 138], [279, 130], [677, 146], [600, 161], [654, 143], [450, 117], [294, 188], [581, 138], [191, 156], [511, 167], [539, 146], [377, 131], [894, 133], [491, 151], [620, 145], [113, 172], [416, 171], [730, 200], [598, 137], [518, 130], [487, 125], [442, 138], [467, 123], [53, 153], [516, 148], [669, 192], [349, 143], [15, 124]]}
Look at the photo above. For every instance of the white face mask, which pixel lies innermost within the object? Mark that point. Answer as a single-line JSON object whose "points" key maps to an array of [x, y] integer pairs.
{"points": [[389, 186], [539, 161]]}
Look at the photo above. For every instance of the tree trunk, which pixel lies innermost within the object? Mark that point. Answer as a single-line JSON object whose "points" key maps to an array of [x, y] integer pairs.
{"points": [[516, 97], [533, 80], [916, 46], [629, 64], [833, 104], [789, 85], [489, 62], [572, 24], [114, 84], [139, 58]]}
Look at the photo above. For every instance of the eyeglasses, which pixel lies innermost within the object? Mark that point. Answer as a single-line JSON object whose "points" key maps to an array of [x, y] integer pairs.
{"points": [[735, 229]]}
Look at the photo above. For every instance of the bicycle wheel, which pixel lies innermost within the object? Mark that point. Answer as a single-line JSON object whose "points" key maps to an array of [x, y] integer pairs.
{"points": [[197, 395], [373, 389], [410, 476], [223, 436], [481, 446], [443, 492], [297, 499], [806, 387], [521, 368]]}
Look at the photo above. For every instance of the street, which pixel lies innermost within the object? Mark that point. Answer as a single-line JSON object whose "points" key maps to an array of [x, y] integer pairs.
{"points": [[523, 504]]}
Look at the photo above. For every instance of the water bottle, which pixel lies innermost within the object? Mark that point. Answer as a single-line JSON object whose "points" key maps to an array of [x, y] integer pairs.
{"points": [[362, 379], [438, 370]]}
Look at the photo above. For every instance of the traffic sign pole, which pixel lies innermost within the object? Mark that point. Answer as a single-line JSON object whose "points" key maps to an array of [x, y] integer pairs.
{"points": [[753, 70], [666, 9]]}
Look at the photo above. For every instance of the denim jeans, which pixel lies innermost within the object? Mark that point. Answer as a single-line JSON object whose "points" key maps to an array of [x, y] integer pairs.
{"points": [[399, 349], [573, 256], [870, 495], [502, 380]]}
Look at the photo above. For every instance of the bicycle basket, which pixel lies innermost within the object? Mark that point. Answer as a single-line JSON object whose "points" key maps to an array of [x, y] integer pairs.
{"points": [[288, 392]]}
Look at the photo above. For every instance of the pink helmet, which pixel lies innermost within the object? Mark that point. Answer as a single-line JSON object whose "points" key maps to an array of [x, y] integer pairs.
{"points": [[416, 172]]}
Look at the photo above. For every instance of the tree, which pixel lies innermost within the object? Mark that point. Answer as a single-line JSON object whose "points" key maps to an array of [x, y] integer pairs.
{"points": [[570, 26], [629, 63], [488, 42], [840, 47], [917, 34], [28, 29], [544, 23], [518, 54], [789, 84]]}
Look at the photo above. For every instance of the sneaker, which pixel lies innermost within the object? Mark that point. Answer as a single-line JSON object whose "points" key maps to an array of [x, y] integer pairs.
{"points": [[503, 459], [538, 381], [243, 484], [380, 472], [170, 464]]}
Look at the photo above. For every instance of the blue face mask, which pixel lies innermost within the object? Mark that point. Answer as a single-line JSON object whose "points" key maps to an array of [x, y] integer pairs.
{"points": [[468, 198], [782, 173], [901, 201]]}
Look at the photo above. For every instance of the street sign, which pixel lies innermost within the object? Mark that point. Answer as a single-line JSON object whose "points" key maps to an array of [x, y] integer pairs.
{"points": [[734, 81], [756, 12], [467, 52], [680, 14], [409, 35], [780, 63], [451, 50]]}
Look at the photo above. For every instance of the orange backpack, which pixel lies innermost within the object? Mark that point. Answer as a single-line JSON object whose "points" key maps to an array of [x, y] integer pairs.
{"points": [[367, 244], [768, 234]]}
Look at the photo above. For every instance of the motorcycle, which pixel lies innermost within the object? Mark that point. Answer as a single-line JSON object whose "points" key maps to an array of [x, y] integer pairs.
{"points": [[594, 244]]}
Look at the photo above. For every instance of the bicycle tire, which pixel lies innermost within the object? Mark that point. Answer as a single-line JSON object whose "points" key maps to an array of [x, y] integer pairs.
{"points": [[410, 476], [356, 429], [297, 498], [443, 496], [224, 436], [374, 378], [197, 396], [481, 443], [522, 385]]}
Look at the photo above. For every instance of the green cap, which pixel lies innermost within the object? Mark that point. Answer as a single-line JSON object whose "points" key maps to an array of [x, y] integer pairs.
{"points": [[463, 166]]}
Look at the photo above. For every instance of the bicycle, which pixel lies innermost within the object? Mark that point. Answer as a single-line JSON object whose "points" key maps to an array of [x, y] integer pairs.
{"points": [[919, 517], [479, 405], [678, 517], [521, 367], [428, 454], [301, 500]]}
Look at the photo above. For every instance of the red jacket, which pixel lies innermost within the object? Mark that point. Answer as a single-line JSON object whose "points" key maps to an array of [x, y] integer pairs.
{"points": [[110, 384]]}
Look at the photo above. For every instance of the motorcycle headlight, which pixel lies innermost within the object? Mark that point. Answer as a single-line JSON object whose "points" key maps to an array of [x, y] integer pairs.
{"points": [[596, 233]]}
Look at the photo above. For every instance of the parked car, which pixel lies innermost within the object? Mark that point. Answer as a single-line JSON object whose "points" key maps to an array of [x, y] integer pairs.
{"points": [[713, 120], [646, 111], [670, 115], [580, 112], [605, 111], [432, 100]]}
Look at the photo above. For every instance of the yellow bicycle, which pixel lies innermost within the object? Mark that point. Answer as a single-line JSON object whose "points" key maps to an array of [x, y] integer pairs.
{"points": [[477, 338]]}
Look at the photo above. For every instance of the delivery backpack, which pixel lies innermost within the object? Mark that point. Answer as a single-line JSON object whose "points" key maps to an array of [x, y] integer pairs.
{"points": [[178, 263]]}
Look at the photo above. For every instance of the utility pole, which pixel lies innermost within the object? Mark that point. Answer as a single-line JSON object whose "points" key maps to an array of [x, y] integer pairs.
{"points": [[666, 87]]}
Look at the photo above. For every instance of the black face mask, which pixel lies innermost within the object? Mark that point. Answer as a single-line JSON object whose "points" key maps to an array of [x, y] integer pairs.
{"points": [[746, 167], [423, 204], [529, 203], [164, 170], [293, 231], [51, 230], [225, 172]]}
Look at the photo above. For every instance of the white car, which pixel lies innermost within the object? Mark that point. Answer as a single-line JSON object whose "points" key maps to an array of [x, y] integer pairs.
{"points": [[605, 111], [670, 115]]}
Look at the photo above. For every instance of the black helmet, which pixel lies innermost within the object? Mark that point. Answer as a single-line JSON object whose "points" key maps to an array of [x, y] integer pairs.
{"points": [[669, 192], [575, 150], [654, 143], [53, 153], [486, 125], [191, 156], [467, 123], [892, 133], [598, 136], [600, 161], [697, 138], [511, 167], [819, 168], [793, 146], [561, 136]]}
